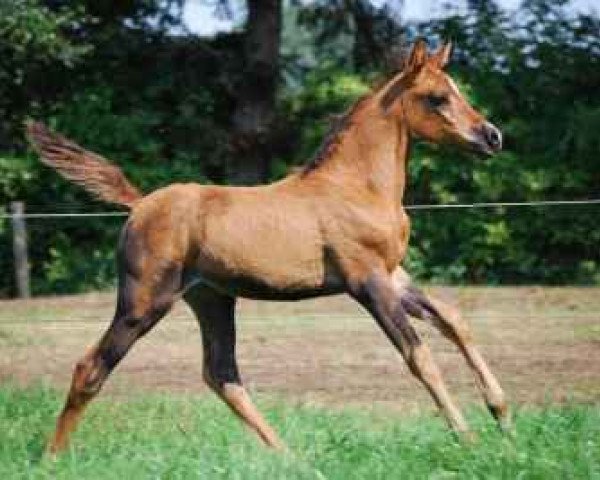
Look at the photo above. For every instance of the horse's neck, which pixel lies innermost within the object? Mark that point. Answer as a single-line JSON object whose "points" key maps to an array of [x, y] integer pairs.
{"points": [[372, 154]]}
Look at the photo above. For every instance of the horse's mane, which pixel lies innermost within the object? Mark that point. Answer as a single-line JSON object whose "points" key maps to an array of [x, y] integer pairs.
{"points": [[341, 123]]}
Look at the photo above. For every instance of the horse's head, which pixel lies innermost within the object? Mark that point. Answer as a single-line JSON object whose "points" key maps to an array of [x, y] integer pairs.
{"points": [[429, 102]]}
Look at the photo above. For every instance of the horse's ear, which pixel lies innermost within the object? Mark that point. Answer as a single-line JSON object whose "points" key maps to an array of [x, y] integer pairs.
{"points": [[418, 55], [412, 67], [442, 56]]}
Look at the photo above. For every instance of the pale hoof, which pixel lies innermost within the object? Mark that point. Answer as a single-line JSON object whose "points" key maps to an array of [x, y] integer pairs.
{"points": [[467, 437]]}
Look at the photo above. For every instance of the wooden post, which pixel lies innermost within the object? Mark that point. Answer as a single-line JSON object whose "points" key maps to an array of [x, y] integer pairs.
{"points": [[20, 249]]}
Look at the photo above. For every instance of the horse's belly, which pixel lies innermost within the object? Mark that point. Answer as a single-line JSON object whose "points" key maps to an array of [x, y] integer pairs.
{"points": [[257, 289], [269, 284], [271, 251], [279, 270]]}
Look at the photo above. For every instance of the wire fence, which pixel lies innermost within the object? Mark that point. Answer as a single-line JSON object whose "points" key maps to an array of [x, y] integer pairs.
{"points": [[426, 206], [17, 215]]}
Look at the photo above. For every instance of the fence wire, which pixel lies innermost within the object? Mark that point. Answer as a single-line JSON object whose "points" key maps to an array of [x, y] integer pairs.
{"points": [[426, 206]]}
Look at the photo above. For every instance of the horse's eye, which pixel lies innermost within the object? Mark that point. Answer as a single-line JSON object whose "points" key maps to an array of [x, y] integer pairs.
{"points": [[434, 100]]}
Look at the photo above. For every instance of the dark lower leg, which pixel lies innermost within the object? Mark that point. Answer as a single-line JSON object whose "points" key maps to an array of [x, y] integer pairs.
{"points": [[93, 369], [215, 314], [149, 280]]}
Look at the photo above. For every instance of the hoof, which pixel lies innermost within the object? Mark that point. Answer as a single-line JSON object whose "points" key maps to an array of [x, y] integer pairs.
{"points": [[467, 438], [507, 428], [49, 454], [502, 416]]}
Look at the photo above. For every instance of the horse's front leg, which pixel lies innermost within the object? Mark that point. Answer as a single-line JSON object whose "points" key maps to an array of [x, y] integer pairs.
{"points": [[378, 294], [453, 326]]}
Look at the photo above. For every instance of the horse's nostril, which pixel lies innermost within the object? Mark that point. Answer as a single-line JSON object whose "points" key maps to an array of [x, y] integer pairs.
{"points": [[493, 136]]}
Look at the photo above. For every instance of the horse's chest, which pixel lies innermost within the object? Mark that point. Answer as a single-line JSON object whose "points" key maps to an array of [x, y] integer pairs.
{"points": [[395, 242], [403, 235], [373, 235]]}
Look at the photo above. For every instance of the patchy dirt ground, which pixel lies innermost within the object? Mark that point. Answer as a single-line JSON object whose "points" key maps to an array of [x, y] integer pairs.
{"points": [[543, 344]]}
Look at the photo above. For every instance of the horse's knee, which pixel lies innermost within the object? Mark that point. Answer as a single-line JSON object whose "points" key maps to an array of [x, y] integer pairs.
{"points": [[140, 325]]}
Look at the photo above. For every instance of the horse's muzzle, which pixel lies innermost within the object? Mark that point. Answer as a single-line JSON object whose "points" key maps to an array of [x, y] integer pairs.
{"points": [[486, 139]]}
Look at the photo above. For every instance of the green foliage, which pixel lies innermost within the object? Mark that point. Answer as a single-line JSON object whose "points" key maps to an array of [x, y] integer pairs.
{"points": [[34, 56], [183, 437], [326, 91], [71, 267], [30, 32]]}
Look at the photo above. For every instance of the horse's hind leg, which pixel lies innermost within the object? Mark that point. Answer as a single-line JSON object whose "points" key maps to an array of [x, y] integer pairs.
{"points": [[450, 323], [142, 301], [215, 313]]}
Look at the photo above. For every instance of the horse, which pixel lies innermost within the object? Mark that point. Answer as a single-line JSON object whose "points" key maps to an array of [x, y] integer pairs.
{"points": [[336, 226]]}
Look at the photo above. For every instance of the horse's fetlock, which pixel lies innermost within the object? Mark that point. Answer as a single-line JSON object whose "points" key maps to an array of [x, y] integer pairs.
{"points": [[92, 387], [208, 377], [87, 380], [83, 364], [501, 414], [497, 407]]}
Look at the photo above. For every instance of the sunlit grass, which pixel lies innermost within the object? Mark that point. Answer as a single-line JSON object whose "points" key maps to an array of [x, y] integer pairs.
{"points": [[182, 437]]}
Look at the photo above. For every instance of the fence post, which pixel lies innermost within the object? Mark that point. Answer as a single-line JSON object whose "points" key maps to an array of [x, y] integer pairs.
{"points": [[20, 249]]}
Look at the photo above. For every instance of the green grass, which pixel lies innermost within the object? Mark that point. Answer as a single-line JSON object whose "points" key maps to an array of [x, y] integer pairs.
{"points": [[179, 437]]}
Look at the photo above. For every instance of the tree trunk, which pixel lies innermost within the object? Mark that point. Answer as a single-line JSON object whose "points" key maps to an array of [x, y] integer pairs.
{"points": [[254, 114], [365, 52]]}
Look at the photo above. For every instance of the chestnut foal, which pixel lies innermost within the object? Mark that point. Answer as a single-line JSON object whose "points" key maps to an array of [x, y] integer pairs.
{"points": [[337, 226]]}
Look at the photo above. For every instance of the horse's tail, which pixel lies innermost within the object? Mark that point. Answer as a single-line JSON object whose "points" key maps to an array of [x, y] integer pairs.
{"points": [[91, 171]]}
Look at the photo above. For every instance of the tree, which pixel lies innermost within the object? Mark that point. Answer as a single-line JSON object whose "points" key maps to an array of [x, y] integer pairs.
{"points": [[255, 132], [254, 115], [35, 58], [374, 29]]}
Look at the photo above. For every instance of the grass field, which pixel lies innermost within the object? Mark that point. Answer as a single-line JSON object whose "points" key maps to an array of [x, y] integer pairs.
{"points": [[176, 437], [328, 381]]}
